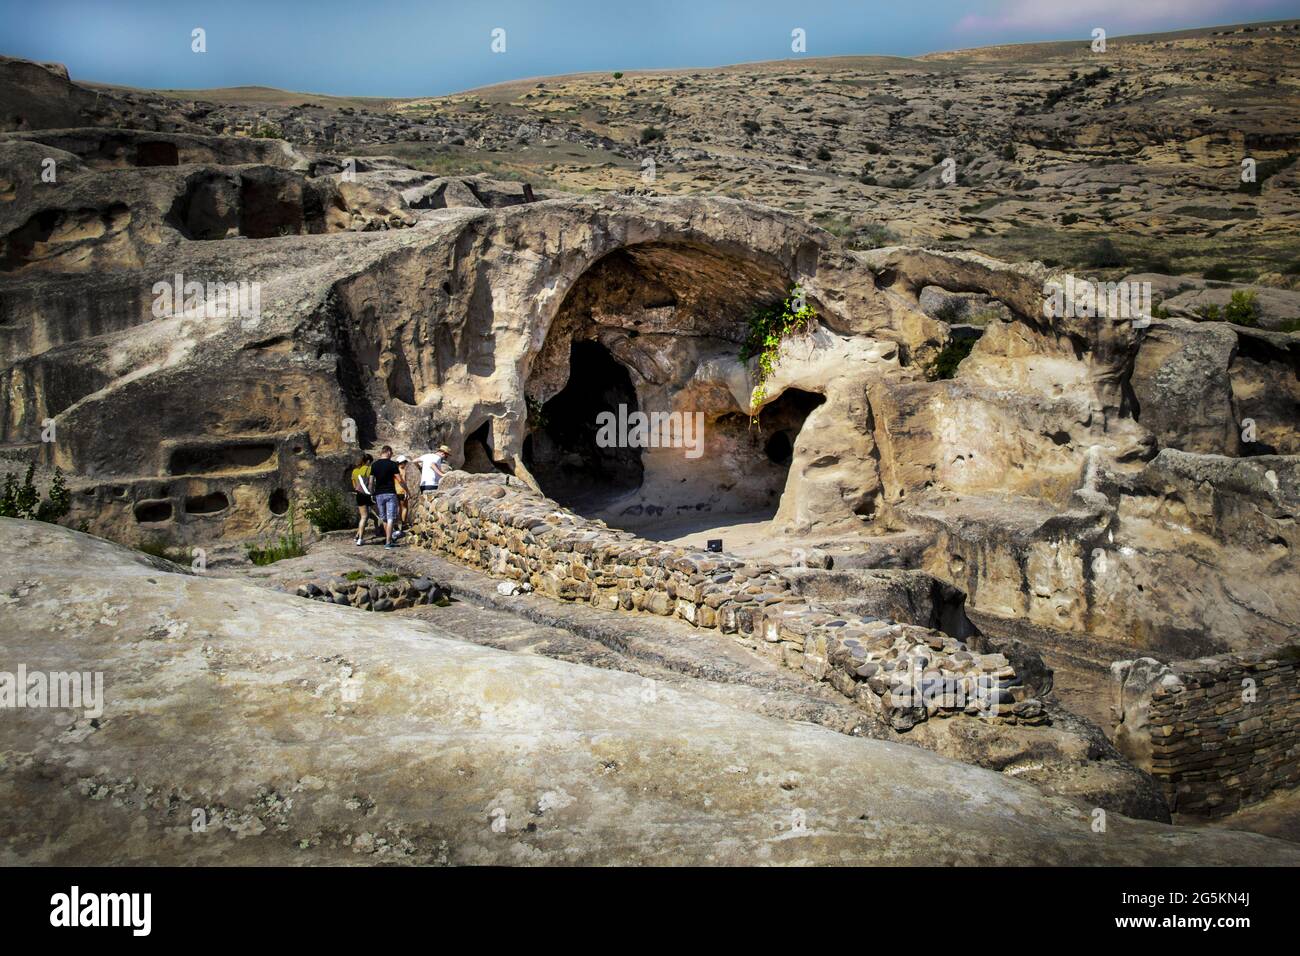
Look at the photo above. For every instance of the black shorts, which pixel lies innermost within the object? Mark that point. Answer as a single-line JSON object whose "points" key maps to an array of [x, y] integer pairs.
{"points": [[364, 501]]}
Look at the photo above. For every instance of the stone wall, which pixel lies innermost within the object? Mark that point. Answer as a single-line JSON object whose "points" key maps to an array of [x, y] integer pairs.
{"points": [[381, 593], [904, 673], [1216, 733]]}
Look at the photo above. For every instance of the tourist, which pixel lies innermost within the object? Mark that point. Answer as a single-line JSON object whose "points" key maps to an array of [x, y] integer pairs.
{"points": [[361, 486], [383, 474], [399, 483], [432, 467]]}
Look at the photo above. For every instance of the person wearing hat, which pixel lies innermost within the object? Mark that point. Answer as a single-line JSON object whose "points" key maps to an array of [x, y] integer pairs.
{"points": [[432, 467]]}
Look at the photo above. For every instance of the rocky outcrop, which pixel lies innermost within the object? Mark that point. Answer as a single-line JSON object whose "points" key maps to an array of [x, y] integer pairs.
{"points": [[217, 697], [1216, 733], [902, 672]]}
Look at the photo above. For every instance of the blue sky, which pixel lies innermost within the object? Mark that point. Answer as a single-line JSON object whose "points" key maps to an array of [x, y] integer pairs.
{"points": [[429, 47]]}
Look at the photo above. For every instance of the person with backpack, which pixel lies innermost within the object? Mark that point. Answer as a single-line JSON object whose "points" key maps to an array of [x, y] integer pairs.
{"points": [[361, 485]]}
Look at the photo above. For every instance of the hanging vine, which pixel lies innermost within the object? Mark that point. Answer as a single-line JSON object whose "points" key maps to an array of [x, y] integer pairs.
{"points": [[767, 329]]}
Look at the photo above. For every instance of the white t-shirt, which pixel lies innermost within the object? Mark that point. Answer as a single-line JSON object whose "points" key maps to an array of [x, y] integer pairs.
{"points": [[428, 465]]}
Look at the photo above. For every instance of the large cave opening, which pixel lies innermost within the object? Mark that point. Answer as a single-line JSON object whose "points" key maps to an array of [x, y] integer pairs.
{"points": [[566, 452], [655, 330]]}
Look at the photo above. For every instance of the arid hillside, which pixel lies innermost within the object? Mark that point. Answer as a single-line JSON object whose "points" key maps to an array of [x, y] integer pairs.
{"points": [[1127, 160]]}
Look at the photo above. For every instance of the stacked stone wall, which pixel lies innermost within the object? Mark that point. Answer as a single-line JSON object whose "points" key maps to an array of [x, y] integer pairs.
{"points": [[905, 673], [1217, 733]]}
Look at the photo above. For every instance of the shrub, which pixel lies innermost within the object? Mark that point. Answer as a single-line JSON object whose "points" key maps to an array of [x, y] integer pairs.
{"points": [[1104, 255], [872, 236], [949, 357], [1220, 272], [289, 544], [1210, 313], [650, 134], [823, 154], [750, 126], [328, 509], [25, 501], [1009, 152], [952, 311], [1243, 309], [767, 328], [618, 75]]}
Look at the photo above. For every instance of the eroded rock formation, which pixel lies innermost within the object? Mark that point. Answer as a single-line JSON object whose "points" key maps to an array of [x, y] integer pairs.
{"points": [[200, 329]]}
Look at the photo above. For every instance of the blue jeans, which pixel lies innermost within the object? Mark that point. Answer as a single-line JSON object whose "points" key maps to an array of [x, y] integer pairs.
{"points": [[387, 505]]}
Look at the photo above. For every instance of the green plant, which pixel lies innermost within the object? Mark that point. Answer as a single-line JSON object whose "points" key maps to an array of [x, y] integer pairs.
{"points": [[750, 126], [356, 575], [1220, 272], [289, 544], [1290, 325], [872, 236], [1104, 255], [1210, 313], [1243, 309], [267, 131], [386, 578], [952, 311], [767, 328], [650, 134], [536, 415], [618, 74], [949, 357], [24, 500], [328, 510], [823, 154]]}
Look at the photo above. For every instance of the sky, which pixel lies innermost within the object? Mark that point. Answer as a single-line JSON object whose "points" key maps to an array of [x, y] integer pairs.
{"points": [[432, 47]]}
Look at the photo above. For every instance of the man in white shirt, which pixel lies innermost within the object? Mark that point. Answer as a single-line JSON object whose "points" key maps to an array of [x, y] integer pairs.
{"points": [[432, 467]]}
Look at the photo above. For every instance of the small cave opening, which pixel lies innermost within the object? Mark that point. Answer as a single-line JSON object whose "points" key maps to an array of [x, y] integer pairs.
{"points": [[152, 512], [206, 504], [780, 421], [215, 459], [564, 451], [477, 453], [278, 502]]}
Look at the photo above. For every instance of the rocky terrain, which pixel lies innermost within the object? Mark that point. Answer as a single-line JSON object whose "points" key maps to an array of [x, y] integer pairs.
{"points": [[297, 733], [210, 304]]}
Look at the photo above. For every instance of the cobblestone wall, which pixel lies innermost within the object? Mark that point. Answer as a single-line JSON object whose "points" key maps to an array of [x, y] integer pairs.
{"points": [[1217, 733], [906, 673]]}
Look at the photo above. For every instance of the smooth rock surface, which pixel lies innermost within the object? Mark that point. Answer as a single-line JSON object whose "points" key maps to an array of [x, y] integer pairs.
{"points": [[233, 701]]}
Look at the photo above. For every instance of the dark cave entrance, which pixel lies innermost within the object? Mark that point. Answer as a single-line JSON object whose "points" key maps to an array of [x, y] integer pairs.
{"points": [[562, 451], [477, 453], [780, 421]]}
